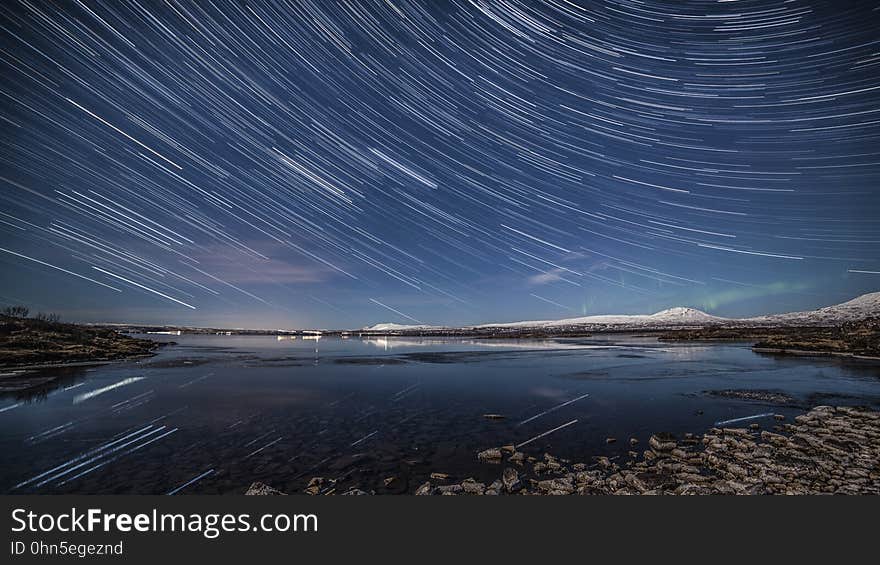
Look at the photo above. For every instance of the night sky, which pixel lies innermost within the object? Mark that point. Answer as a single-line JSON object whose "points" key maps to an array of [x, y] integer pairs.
{"points": [[338, 164]]}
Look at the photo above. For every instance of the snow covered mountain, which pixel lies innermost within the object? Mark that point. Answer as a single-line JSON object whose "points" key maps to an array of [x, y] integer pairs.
{"points": [[865, 306], [685, 316], [679, 316]]}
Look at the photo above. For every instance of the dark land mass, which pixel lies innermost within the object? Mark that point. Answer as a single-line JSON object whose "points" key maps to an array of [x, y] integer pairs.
{"points": [[827, 450], [28, 344], [856, 339]]}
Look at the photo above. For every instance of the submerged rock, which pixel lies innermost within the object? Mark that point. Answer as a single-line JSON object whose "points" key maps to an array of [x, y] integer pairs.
{"points": [[769, 396], [662, 442], [318, 484], [262, 489], [355, 492]]}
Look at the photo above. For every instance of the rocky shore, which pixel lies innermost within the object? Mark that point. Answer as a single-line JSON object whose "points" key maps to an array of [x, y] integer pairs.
{"points": [[828, 450]]}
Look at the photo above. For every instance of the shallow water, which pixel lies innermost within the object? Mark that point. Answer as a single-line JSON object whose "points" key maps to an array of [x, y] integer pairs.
{"points": [[214, 413]]}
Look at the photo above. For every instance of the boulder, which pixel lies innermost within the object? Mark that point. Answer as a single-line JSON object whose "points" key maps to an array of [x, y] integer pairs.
{"points": [[472, 486], [510, 479]]}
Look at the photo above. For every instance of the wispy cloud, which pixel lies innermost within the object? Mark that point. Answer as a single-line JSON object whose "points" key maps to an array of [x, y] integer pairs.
{"points": [[547, 277], [241, 269]]}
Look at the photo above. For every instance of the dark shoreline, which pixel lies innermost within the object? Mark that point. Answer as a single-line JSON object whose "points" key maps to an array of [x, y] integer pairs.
{"points": [[856, 340]]}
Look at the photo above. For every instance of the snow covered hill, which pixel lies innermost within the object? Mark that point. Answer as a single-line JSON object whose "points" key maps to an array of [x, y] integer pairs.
{"points": [[685, 316], [865, 306], [679, 316]]}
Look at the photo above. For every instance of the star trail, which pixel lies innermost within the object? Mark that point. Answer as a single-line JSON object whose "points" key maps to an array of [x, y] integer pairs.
{"points": [[337, 164]]}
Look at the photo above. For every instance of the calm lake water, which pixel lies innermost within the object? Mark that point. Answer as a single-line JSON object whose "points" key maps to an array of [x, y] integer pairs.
{"points": [[214, 413]]}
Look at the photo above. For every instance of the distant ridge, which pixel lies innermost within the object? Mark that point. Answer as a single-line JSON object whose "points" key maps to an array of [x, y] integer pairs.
{"points": [[865, 306]]}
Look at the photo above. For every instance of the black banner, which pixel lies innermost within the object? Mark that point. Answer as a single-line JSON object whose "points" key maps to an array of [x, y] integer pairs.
{"points": [[144, 529]]}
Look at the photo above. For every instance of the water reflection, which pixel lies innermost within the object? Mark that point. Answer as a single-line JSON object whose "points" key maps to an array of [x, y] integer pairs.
{"points": [[214, 413], [36, 385]]}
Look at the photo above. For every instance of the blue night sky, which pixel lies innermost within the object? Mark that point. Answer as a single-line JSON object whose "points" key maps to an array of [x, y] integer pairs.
{"points": [[318, 164]]}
